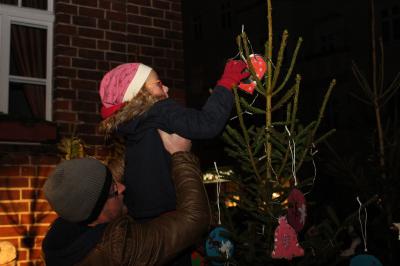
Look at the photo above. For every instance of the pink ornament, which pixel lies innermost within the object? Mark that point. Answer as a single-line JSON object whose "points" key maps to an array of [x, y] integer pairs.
{"points": [[286, 245], [297, 210], [260, 66]]}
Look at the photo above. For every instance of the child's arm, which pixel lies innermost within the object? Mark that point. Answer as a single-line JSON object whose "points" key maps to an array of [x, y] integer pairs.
{"points": [[211, 119]]}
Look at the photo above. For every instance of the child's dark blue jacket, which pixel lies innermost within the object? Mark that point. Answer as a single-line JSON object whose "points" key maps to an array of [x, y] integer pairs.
{"points": [[149, 188]]}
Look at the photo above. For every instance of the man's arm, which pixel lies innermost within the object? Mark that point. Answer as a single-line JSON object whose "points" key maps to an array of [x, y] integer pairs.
{"points": [[161, 239]]}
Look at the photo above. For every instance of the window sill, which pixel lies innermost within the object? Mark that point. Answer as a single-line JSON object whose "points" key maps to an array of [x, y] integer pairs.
{"points": [[22, 131]]}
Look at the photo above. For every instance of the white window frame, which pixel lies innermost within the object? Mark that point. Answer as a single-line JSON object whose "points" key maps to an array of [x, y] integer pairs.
{"points": [[30, 17]]}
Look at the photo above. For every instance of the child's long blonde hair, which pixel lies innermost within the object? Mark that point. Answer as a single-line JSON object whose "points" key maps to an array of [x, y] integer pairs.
{"points": [[135, 107]]}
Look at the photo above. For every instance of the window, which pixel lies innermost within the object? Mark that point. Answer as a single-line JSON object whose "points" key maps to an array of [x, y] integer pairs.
{"points": [[26, 53], [390, 19], [327, 43], [329, 32]]}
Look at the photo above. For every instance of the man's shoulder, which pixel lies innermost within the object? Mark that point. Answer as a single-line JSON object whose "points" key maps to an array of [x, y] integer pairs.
{"points": [[116, 240], [118, 226]]}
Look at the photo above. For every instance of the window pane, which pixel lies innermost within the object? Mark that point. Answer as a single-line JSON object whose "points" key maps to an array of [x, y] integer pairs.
{"points": [[28, 51], [9, 2], [27, 100], [39, 4]]}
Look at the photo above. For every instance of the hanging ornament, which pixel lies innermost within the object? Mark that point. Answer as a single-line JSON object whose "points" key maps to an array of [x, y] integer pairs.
{"points": [[286, 245], [396, 226], [260, 66], [352, 249], [296, 216], [197, 259], [219, 246], [365, 260]]}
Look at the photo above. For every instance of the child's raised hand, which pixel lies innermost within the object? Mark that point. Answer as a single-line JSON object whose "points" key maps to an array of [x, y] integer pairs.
{"points": [[174, 143], [234, 72]]}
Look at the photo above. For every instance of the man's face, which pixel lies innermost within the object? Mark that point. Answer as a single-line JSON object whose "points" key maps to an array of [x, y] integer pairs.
{"points": [[114, 206]]}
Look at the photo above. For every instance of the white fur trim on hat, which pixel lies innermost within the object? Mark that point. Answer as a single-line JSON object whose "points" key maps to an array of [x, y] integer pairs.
{"points": [[137, 82]]}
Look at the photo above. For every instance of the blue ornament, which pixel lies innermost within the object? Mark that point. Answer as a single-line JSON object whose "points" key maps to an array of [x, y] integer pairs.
{"points": [[219, 246], [365, 260]]}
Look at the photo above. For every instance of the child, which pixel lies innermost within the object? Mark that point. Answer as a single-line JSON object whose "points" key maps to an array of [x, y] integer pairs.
{"points": [[135, 105]]}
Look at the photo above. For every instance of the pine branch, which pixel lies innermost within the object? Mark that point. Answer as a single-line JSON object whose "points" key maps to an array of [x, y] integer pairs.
{"points": [[251, 108], [362, 81], [281, 52], [320, 116], [245, 41], [269, 18], [291, 67], [359, 98], [268, 90], [238, 155], [286, 157], [391, 90], [258, 141], [288, 114], [353, 216], [284, 98], [305, 131], [245, 133], [325, 136], [382, 67], [373, 43], [235, 134], [295, 103]]}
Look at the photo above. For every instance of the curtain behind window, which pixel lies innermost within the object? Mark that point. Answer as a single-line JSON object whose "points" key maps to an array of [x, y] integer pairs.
{"points": [[39, 4], [28, 59]]}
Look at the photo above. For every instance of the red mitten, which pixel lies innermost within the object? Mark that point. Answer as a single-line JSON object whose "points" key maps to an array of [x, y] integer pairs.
{"points": [[233, 74]]}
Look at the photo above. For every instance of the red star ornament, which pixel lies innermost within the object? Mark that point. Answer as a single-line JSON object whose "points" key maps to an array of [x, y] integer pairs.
{"points": [[260, 66], [297, 210], [286, 245]]}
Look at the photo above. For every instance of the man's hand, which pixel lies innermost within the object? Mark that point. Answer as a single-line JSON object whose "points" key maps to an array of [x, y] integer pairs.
{"points": [[174, 143]]}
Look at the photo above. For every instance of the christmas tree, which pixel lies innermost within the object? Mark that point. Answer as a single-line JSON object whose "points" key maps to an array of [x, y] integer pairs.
{"points": [[375, 171], [270, 146]]}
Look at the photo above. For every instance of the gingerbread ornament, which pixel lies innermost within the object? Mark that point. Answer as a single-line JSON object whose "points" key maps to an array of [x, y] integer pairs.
{"points": [[286, 244]]}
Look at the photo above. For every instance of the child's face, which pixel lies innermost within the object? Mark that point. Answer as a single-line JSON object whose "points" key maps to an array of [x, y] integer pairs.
{"points": [[154, 85]]}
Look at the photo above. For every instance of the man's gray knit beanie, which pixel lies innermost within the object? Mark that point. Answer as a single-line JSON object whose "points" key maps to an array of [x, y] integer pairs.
{"points": [[74, 188]]}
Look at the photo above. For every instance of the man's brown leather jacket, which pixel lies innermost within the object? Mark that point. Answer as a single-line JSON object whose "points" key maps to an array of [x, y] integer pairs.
{"points": [[126, 242]]}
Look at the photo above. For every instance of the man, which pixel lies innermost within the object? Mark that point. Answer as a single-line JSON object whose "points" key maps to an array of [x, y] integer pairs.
{"points": [[93, 228]]}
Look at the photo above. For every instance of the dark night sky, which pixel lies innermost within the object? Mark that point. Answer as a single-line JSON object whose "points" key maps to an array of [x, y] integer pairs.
{"points": [[335, 32]]}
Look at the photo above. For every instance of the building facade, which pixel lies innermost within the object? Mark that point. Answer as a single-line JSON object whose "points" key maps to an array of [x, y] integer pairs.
{"points": [[53, 54]]}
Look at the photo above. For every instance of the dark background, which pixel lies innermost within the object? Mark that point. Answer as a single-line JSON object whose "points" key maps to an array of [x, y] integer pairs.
{"points": [[335, 33]]}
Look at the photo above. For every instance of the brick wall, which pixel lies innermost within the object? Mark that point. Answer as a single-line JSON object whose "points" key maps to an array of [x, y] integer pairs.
{"points": [[90, 38], [94, 36], [24, 213]]}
